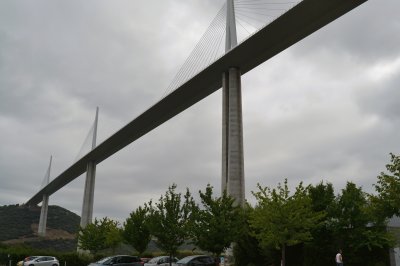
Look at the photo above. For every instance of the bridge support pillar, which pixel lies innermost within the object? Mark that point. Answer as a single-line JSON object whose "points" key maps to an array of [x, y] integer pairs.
{"points": [[88, 196], [43, 216], [45, 204], [232, 136]]}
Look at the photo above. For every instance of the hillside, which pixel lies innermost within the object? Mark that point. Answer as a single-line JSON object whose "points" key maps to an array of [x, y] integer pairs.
{"points": [[19, 224]]}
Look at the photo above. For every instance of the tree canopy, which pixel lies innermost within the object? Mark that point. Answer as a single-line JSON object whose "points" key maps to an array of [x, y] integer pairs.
{"points": [[280, 219], [136, 229], [388, 188], [170, 219], [218, 222], [312, 222], [99, 235]]}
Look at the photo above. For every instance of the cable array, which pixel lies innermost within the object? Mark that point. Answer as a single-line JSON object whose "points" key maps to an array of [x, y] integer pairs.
{"points": [[251, 16], [46, 178], [86, 146], [205, 52]]}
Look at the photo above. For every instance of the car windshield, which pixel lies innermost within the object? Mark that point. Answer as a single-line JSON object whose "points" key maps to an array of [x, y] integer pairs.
{"points": [[154, 260], [185, 260], [103, 260]]}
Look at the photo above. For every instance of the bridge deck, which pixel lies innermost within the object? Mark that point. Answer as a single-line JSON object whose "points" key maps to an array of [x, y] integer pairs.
{"points": [[299, 22]]}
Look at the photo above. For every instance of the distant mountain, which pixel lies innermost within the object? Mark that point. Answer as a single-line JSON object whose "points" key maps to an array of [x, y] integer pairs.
{"points": [[19, 224]]}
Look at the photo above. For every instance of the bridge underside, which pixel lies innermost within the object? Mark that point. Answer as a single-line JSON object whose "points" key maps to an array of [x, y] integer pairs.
{"points": [[299, 22]]}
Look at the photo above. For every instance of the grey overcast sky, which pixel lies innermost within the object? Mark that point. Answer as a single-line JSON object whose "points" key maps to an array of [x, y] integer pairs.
{"points": [[326, 109]]}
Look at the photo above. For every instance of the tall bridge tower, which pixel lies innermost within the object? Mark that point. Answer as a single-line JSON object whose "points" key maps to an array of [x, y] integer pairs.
{"points": [[88, 196], [232, 126], [45, 204]]}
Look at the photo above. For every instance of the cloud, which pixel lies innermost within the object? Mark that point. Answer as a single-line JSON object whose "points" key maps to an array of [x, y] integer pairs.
{"points": [[323, 109]]}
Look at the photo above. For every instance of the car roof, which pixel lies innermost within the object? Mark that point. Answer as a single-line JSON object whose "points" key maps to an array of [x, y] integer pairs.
{"points": [[194, 256], [36, 257], [188, 258]]}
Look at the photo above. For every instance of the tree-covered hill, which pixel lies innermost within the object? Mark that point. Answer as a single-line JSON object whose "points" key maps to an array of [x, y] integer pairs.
{"points": [[19, 222]]}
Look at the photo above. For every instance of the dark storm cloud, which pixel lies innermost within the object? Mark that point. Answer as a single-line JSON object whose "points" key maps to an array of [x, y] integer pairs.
{"points": [[324, 100], [366, 34], [381, 99], [323, 109], [60, 60]]}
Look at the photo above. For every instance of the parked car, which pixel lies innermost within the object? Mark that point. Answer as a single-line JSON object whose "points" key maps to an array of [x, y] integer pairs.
{"points": [[197, 260], [119, 260], [41, 261], [21, 263], [161, 260]]}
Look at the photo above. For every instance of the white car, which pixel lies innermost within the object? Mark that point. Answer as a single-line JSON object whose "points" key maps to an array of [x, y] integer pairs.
{"points": [[160, 261], [42, 261]]}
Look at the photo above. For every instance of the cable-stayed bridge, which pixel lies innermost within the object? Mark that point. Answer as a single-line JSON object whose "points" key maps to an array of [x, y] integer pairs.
{"points": [[204, 75]]}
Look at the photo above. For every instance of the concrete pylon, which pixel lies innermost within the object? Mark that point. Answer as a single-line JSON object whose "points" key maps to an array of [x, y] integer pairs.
{"points": [[232, 179], [230, 36], [88, 196], [45, 205], [232, 145], [43, 216]]}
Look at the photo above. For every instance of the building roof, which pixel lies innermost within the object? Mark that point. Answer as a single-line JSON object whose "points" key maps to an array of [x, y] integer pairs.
{"points": [[394, 222]]}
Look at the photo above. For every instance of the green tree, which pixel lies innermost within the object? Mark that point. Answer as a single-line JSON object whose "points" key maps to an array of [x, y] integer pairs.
{"points": [[320, 249], [280, 219], [352, 207], [322, 198], [388, 188], [170, 219], [247, 249], [99, 235], [113, 235], [136, 230], [358, 229], [218, 223]]}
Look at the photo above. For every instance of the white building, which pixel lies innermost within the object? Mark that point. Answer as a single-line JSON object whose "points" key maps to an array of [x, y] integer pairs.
{"points": [[394, 225]]}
